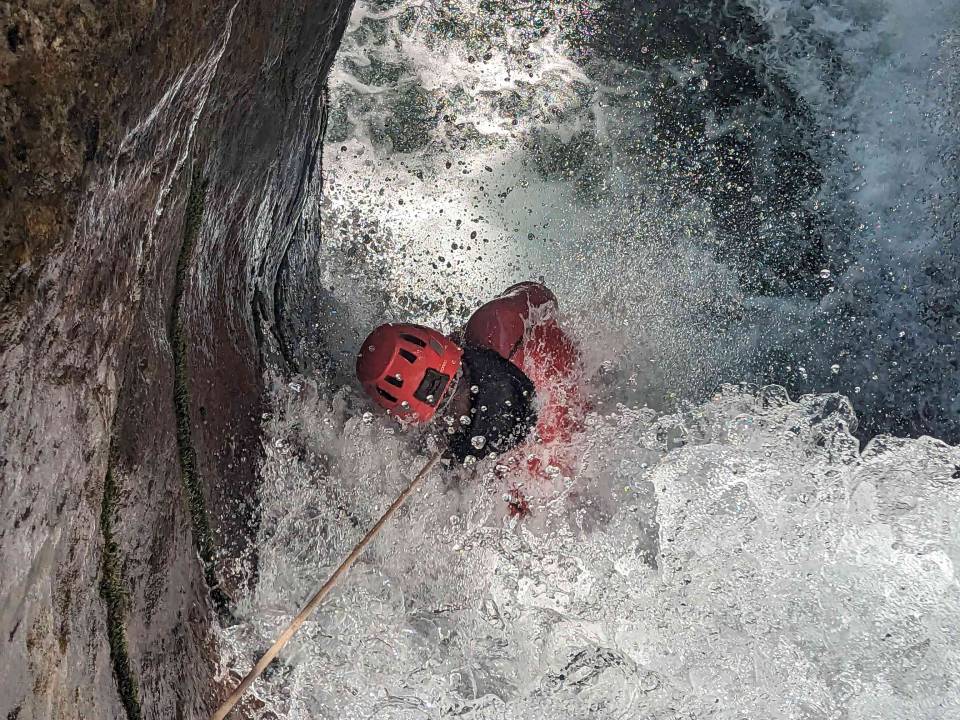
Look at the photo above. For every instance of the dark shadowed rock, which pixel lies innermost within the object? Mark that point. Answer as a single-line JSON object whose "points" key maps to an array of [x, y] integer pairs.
{"points": [[109, 115]]}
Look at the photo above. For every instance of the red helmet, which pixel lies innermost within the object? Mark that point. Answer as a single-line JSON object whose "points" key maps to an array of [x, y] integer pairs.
{"points": [[408, 369]]}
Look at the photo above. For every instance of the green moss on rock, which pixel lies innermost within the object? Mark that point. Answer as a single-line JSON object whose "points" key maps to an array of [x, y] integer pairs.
{"points": [[114, 595], [181, 396]]}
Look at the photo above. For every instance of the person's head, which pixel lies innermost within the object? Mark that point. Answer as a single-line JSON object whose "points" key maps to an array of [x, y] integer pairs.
{"points": [[408, 369]]}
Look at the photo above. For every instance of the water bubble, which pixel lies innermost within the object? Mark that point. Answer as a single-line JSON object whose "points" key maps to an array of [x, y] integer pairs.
{"points": [[398, 376], [464, 419], [478, 441], [474, 389], [825, 273], [483, 408], [469, 460], [649, 682], [430, 399], [644, 50], [835, 368], [367, 417], [296, 387], [371, 348], [405, 405]]}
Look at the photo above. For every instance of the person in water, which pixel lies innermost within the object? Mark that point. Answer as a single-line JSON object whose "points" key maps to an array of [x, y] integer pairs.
{"points": [[512, 376]]}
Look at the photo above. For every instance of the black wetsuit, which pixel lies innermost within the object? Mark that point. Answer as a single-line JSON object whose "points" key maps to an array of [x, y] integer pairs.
{"points": [[502, 410]]}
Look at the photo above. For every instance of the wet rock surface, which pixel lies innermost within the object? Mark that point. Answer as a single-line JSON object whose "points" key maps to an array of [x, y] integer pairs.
{"points": [[110, 115]]}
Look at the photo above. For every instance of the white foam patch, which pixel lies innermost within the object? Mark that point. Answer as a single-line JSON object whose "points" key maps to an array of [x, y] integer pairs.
{"points": [[743, 559]]}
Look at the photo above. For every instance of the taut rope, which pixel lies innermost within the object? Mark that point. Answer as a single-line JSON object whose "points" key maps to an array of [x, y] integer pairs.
{"points": [[315, 601]]}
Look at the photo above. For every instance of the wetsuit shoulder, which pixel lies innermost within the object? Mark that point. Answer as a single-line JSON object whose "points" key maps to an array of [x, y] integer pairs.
{"points": [[502, 410]]}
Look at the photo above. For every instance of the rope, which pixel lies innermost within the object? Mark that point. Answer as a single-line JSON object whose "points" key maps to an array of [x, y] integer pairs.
{"points": [[315, 601]]}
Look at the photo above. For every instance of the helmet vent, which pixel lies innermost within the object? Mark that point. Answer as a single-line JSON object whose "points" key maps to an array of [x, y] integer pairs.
{"points": [[386, 395], [432, 387], [395, 381], [413, 339], [408, 356]]}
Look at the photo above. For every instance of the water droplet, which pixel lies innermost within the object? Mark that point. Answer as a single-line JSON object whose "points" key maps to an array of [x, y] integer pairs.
{"points": [[371, 348], [644, 49], [430, 399], [835, 368], [464, 419], [405, 405], [474, 389], [469, 460], [398, 376], [825, 273], [296, 387], [478, 441], [367, 417]]}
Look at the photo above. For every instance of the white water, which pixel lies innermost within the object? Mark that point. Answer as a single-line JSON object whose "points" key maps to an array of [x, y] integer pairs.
{"points": [[793, 576], [741, 558]]}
